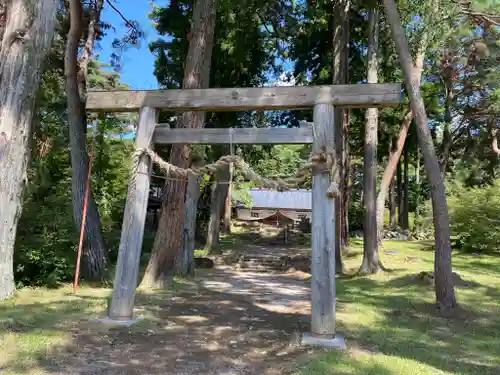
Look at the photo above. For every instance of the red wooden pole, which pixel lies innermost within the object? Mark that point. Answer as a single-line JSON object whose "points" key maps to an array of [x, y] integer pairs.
{"points": [[84, 218]]}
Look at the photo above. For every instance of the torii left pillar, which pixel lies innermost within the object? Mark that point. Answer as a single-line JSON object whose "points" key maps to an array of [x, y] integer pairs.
{"points": [[121, 309]]}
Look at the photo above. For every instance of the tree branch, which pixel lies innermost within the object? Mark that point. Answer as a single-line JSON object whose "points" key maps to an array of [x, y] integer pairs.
{"points": [[88, 49], [128, 23], [465, 8]]}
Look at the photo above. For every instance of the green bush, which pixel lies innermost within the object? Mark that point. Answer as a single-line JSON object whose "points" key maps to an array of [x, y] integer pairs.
{"points": [[474, 218], [46, 240]]}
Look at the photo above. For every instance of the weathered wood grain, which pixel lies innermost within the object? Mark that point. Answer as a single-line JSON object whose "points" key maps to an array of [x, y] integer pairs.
{"points": [[241, 99], [323, 232], [164, 135], [127, 267]]}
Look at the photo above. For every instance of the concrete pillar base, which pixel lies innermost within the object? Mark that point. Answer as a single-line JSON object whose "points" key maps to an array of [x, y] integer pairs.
{"points": [[124, 323], [336, 342]]}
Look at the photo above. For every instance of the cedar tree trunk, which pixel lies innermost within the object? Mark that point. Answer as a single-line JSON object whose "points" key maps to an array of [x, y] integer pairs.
{"points": [[219, 192], [371, 263], [184, 262], [95, 252], [28, 34], [168, 240]]}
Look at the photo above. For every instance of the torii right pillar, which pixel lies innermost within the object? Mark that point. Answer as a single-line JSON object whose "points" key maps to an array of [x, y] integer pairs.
{"points": [[323, 295]]}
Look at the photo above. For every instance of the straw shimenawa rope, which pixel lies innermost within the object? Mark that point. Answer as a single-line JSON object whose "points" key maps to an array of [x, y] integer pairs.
{"points": [[324, 161]]}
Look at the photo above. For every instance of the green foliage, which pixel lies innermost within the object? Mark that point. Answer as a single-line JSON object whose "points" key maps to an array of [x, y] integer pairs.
{"points": [[474, 214], [241, 194], [282, 160], [46, 239]]}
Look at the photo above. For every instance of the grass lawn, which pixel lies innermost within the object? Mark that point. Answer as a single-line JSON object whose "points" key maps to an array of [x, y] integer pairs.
{"points": [[390, 323], [388, 319], [37, 324]]}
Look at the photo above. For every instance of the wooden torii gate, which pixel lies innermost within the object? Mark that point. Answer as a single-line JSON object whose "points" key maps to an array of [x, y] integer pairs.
{"points": [[320, 134]]}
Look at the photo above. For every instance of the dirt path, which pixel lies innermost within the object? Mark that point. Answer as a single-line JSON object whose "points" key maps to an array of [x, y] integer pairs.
{"points": [[232, 323]]}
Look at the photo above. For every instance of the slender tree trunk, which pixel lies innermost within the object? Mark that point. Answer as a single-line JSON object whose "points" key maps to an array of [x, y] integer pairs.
{"points": [[346, 159], [394, 157], [339, 76], [346, 186], [28, 33], [388, 176], [405, 223], [416, 222], [399, 192], [371, 262], [445, 292], [445, 147], [219, 192], [95, 252], [226, 224], [168, 238], [448, 118], [184, 263], [393, 219]]}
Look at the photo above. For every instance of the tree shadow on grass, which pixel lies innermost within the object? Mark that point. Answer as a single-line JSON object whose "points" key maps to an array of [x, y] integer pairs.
{"points": [[408, 326], [484, 265], [341, 364]]}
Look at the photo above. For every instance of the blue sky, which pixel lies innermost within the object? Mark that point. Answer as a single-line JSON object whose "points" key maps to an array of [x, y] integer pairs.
{"points": [[137, 63]]}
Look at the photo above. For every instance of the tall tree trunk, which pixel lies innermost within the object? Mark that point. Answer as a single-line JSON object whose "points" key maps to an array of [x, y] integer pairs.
{"points": [[371, 262], [219, 193], [394, 156], [346, 159], [445, 147], [399, 194], [3, 16], [28, 35], [346, 185], [445, 292], [416, 221], [393, 219], [184, 262], [448, 118], [339, 76], [196, 75], [226, 223], [405, 222], [95, 252]]}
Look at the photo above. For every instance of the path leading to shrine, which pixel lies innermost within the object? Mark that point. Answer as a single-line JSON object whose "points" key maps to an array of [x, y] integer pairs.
{"points": [[231, 322]]}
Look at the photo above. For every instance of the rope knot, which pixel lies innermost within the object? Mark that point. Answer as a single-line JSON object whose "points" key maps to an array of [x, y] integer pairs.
{"points": [[325, 161]]}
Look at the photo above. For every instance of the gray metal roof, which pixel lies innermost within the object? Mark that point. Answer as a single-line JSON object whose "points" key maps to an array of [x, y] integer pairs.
{"points": [[300, 199]]}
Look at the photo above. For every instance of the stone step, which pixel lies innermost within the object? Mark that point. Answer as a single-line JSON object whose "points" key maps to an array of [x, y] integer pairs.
{"points": [[255, 263]]}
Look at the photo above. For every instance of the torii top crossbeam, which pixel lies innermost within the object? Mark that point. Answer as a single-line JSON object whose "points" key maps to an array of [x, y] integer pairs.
{"points": [[241, 99]]}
